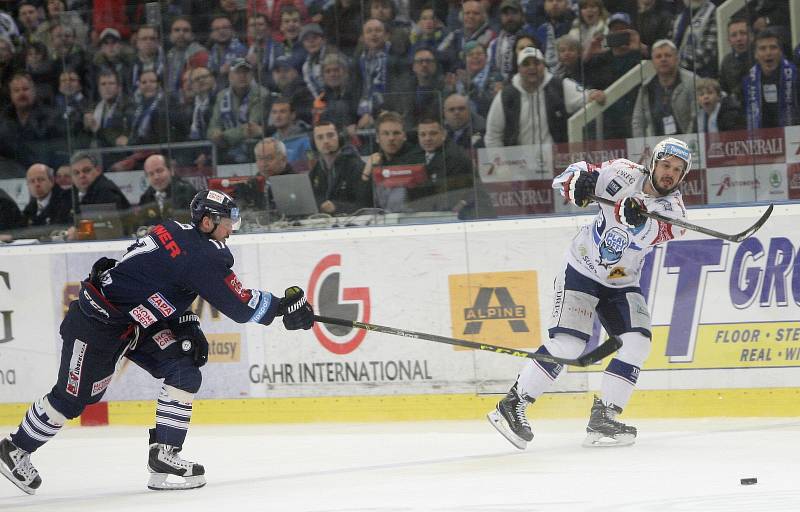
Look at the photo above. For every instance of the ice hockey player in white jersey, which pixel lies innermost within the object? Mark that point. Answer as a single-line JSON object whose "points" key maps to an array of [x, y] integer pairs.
{"points": [[601, 277]]}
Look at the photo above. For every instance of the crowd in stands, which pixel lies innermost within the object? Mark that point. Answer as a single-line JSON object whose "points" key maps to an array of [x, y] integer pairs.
{"points": [[337, 87]]}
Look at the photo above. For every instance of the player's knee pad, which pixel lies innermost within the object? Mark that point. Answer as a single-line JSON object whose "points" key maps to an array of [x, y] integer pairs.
{"points": [[635, 348], [183, 375], [62, 405], [565, 345]]}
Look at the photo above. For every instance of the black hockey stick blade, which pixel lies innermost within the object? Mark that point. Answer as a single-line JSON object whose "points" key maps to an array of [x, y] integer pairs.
{"points": [[738, 237], [602, 351]]}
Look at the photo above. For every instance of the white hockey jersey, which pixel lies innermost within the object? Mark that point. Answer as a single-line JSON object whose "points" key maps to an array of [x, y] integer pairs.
{"points": [[610, 252]]}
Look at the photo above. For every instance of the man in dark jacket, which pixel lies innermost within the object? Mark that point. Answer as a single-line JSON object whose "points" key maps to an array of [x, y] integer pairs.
{"points": [[90, 186], [336, 177], [10, 216], [451, 184], [49, 205], [167, 197]]}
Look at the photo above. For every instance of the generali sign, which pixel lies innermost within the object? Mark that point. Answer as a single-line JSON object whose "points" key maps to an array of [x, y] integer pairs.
{"points": [[765, 146]]}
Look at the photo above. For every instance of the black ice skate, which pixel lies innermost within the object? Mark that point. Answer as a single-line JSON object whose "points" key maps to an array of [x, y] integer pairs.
{"points": [[604, 429], [15, 464], [165, 461], [509, 418]]}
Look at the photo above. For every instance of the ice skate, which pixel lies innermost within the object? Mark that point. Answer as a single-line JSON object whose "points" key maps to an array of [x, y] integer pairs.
{"points": [[165, 461], [603, 428], [15, 464], [509, 418]]}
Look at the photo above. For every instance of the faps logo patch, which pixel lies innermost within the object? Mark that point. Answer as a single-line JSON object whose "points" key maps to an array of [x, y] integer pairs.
{"points": [[331, 299], [496, 307]]}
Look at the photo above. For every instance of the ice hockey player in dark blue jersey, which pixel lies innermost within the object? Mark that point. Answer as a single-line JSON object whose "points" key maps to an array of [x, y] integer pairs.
{"points": [[137, 308]]}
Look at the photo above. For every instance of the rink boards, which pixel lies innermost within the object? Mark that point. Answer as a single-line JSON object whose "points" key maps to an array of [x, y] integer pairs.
{"points": [[726, 337]]}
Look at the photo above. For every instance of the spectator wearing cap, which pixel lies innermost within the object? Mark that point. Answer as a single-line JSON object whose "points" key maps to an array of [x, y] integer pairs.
{"points": [[605, 65], [338, 100], [694, 32], [475, 28], [427, 32], [501, 49], [263, 49], [287, 82], [186, 53], [665, 104], [770, 89], [29, 131], [478, 81], [535, 107], [225, 48], [316, 48], [342, 23], [737, 63], [558, 21], [653, 21], [289, 36], [239, 113], [110, 14], [112, 54]]}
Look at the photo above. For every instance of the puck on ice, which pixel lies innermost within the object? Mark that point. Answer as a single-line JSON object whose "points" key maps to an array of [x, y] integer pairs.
{"points": [[748, 481]]}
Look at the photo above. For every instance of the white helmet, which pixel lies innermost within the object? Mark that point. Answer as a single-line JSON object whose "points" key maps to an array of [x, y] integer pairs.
{"points": [[667, 147]]}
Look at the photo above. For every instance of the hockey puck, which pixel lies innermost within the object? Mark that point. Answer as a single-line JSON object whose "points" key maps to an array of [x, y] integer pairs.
{"points": [[748, 481]]}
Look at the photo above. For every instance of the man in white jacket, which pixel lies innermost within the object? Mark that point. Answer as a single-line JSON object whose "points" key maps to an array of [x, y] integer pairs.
{"points": [[535, 107]]}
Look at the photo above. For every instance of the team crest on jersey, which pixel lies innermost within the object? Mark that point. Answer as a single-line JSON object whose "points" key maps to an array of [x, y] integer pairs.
{"points": [[161, 304], [612, 245]]}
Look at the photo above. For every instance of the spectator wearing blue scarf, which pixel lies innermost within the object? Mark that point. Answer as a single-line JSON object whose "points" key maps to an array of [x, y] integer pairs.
{"points": [[770, 88]]}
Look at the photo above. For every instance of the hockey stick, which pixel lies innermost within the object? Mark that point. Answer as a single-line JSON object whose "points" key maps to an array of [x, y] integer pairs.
{"points": [[693, 227], [603, 350]]}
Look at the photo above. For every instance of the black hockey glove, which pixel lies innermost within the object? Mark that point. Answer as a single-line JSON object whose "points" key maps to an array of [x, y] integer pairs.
{"points": [[582, 186], [629, 210], [191, 339], [297, 313], [98, 268]]}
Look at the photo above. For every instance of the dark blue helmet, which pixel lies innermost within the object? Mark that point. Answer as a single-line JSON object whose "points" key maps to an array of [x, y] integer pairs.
{"points": [[214, 204]]}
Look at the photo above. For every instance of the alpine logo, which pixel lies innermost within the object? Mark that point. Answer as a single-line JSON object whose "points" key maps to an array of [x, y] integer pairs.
{"points": [[331, 299], [506, 309]]}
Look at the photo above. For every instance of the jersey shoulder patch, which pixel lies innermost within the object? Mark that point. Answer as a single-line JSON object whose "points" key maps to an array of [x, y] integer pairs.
{"points": [[613, 187]]}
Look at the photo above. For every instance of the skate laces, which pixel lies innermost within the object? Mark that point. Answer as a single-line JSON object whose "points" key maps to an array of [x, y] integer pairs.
{"points": [[519, 410], [169, 454], [22, 464]]}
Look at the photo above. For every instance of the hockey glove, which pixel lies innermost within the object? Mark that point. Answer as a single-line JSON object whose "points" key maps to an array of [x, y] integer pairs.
{"points": [[580, 187], [191, 339], [629, 211], [295, 309]]}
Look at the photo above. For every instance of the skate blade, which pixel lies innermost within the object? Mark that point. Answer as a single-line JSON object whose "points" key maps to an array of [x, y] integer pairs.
{"points": [[23, 487], [598, 440], [500, 424], [159, 482]]}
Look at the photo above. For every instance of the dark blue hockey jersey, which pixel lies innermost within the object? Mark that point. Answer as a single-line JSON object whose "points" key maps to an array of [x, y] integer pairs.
{"points": [[161, 275]]}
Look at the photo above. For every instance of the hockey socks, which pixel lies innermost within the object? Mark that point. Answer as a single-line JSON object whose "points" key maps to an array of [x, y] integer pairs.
{"points": [[173, 414], [40, 424]]}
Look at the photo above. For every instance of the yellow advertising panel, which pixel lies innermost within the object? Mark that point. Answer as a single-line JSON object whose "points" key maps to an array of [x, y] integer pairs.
{"points": [[501, 308]]}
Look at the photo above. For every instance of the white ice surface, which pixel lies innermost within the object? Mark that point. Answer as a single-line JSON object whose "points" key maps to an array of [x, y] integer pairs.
{"points": [[463, 466]]}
